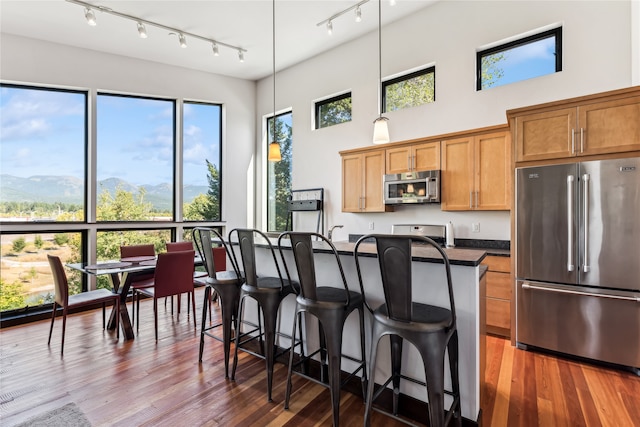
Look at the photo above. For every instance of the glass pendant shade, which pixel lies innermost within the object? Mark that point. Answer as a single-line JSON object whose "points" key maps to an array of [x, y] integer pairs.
{"points": [[274, 152], [380, 130]]}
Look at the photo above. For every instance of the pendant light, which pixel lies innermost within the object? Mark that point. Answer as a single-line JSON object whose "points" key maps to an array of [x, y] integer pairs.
{"points": [[380, 128], [274, 148]]}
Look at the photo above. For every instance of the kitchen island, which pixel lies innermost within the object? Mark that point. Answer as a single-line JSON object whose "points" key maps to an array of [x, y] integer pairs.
{"points": [[469, 295]]}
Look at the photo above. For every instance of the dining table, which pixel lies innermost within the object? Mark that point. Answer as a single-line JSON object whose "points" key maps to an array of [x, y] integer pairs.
{"points": [[121, 274]]}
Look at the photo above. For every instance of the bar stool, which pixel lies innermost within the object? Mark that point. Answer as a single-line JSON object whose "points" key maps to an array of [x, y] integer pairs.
{"points": [[431, 329], [268, 292], [331, 306], [226, 284]]}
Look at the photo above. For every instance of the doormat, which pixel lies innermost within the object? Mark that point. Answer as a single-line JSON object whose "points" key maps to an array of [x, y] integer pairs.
{"points": [[68, 415]]}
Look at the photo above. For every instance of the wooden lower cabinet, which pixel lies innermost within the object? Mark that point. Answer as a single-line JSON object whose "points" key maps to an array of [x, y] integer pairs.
{"points": [[498, 299]]}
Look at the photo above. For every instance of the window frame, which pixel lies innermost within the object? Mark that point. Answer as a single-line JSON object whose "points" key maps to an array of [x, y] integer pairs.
{"points": [[220, 156], [523, 41], [404, 77], [326, 101], [267, 182]]}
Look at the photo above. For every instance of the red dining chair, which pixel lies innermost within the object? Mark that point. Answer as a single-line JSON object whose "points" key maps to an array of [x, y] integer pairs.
{"points": [[66, 301], [184, 246], [173, 276], [142, 280]]}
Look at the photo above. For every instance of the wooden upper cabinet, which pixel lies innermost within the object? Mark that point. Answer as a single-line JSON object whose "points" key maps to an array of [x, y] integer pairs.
{"points": [[609, 127], [418, 157], [476, 172], [593, 125], [493, 171], [351, 182], [547, 135], [457, 174], [362, 182]]}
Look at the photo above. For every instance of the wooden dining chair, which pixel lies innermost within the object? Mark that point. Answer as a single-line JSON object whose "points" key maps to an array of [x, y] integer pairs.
{"points": [[66, 301], [142, 280], [173, 276]]}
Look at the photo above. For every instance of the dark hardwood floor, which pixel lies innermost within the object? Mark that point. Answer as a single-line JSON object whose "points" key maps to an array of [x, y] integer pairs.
{"points": [[141, 382]]}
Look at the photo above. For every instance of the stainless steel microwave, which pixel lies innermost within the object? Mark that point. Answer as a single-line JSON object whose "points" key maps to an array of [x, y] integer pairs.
{"points": [[412, 187]]}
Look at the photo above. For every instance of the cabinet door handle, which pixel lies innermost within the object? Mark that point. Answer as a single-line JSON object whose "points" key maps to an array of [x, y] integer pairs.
{"points": [[413, 162], [409, 162], [470, 199], [573, 141], [581, 140], [477, 197]]}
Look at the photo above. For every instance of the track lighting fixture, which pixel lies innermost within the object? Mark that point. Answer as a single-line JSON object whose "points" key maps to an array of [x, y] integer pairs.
{"points": [[90, 17], [358, 14], [89, 14], [142, 31], [329, 28]]}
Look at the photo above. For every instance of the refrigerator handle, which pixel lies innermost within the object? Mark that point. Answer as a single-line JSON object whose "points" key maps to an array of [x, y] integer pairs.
{"points": [[570, 179], [585, 198], [572, 292]]}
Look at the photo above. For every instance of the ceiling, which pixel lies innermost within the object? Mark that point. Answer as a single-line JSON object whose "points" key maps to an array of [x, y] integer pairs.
{"points": [[242, 23]]}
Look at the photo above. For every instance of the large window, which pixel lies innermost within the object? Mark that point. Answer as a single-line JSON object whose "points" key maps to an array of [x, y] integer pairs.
{"points": [[201, 156], [521, 59], [44, 188], [135, 146], [25, 276], [409, 90], [43, 137], [333, 111], [279, 173]]}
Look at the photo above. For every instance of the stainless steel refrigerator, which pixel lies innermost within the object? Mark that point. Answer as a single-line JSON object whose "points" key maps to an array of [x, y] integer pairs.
{"points": [[578, 259]]}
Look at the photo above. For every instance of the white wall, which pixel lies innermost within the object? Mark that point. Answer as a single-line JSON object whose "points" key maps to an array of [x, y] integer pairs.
{"points": [[597, 56], [32, 61]]}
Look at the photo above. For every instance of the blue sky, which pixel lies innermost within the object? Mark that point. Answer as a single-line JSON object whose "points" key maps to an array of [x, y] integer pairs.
{"points": [[42, 133], [528, 61]]}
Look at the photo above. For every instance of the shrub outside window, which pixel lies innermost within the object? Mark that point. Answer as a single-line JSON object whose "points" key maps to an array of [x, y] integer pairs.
{"points": [[409, 90], [522, 59], [333, 111]]}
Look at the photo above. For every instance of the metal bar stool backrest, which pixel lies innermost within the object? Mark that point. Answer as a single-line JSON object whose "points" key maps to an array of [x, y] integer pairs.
{"points": [[246, 243], [394, 258], [302, 248], [202, 238]]}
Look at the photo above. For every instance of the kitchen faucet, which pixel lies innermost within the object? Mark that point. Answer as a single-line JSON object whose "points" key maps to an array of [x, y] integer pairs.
{"points": [[330, 234]]}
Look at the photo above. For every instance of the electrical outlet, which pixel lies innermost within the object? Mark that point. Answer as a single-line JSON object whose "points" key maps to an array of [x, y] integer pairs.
{"points": [[371, 225], [475, 227]]}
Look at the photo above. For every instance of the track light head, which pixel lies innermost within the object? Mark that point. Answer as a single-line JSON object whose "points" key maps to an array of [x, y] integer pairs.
{"points": [[214, 47], [240, 55], [358, 14], [142, 31], [90, 16], [329, 27], [183, 40]]}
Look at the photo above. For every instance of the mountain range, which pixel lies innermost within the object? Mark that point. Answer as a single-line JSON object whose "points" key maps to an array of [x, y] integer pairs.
{"points": [[69, 189]]}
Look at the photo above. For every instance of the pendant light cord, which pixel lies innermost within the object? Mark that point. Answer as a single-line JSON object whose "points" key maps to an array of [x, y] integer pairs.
{"points": [[380, 57], [273, 122]]}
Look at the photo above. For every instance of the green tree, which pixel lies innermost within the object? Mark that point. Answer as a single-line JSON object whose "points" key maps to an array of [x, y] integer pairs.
{"points": [[335, 112], [411, 92], [37, 241], [206, 206], [491, 70], [18, 244], [280, 178], [11, 295], [123, 206]]}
